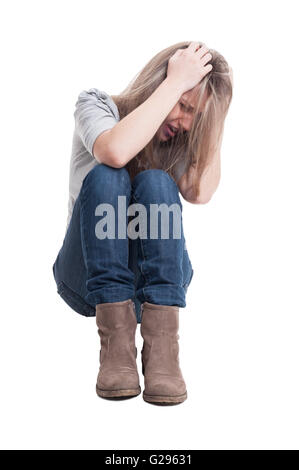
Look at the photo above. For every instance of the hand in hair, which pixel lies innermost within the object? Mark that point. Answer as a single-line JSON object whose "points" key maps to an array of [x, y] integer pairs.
{"points": [[187, 67]]}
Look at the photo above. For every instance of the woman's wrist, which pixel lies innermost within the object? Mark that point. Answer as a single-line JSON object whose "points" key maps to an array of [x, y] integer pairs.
{"points": [[175, 86]]}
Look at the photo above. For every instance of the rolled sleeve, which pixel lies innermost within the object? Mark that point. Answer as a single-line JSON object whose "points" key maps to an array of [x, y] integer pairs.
{"points": [[94, 113]]}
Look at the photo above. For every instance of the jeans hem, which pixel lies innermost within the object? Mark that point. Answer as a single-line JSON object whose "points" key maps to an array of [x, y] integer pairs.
{"points": [[163, 295], [109, 294]]}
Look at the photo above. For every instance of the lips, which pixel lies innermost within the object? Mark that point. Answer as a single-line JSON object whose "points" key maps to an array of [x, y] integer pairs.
{"points": [[168, 131]]}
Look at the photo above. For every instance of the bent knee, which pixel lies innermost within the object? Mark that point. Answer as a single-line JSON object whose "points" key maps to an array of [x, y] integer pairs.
{"points": [[154, 176], [103, 174]]}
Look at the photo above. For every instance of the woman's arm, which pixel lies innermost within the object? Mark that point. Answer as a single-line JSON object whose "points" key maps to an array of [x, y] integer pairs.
{"points": [[210, 177], [132, 133], [208, 182]]}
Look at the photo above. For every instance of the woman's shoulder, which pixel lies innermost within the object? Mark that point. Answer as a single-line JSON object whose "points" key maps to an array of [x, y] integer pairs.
{"points": [[99, 98], [99, 94]]}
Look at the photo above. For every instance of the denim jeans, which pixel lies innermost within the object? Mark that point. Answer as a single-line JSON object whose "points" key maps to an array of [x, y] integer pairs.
{"points": [[89, 270]]}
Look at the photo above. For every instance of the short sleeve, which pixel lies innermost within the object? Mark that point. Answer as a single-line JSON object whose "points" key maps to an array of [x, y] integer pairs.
{"points": [[95, 112]]}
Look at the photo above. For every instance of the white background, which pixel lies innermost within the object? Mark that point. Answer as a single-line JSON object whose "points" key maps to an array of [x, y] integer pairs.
{"points": [[239, 331]]}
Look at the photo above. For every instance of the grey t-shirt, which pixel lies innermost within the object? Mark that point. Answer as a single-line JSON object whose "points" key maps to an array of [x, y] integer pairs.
{"points": [[95, 112]]}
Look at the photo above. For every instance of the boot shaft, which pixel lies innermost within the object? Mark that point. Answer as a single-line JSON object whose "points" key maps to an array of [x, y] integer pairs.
{"points": [[117, 323], [113, 316], [163, 379], [159, 329], [118, 374], [159, 320]]}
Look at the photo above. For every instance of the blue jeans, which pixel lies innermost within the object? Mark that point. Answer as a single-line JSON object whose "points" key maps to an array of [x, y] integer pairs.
{"points": [[89, 270]]}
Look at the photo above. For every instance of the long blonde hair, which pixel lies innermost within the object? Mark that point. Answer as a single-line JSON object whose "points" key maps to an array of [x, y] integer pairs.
{"points": [[195, 147]]}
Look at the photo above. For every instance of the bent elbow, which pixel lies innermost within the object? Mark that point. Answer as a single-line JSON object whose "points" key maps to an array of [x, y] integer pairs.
{"points": [[116, 159], [205, 196], [201, 199], [104, 152], [204, 199], [110, 159], [117, 162]]}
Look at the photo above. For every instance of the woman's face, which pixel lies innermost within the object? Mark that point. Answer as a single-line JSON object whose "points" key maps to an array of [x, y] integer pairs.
{"points": [[180, 117]]}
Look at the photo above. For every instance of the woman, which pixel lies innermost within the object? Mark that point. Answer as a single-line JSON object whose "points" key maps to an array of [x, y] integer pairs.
{"points": [[131, 152]]}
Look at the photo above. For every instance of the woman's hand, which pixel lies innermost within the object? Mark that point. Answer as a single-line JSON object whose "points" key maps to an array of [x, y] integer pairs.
{"points": [[187, 67]]}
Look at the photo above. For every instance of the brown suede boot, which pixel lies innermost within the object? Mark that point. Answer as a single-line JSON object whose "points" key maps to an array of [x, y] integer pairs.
{"points": [[118, 375], [164, 383]]}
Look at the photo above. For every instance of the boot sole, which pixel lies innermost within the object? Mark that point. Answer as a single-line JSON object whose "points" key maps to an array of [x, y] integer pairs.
{"points": [[164, 400], [125, 393]]}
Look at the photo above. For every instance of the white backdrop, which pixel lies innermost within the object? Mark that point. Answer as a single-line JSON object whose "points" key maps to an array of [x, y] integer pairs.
{"points": [[239, 331]]}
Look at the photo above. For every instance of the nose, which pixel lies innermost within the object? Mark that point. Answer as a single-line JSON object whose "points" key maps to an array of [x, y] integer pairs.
{"points": [[182, 120], [185, 124]]}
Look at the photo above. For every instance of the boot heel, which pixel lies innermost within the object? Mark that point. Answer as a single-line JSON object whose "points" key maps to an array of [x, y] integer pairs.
{"points": [[118, 394]]}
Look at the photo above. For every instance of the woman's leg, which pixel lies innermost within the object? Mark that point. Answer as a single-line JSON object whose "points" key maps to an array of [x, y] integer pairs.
{"points": [[166, 273], [109, 279], [92, 273], [164, 264]]}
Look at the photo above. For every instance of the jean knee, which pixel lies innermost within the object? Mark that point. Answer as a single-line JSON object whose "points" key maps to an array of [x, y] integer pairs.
{"points": [[154, 177], [155, 182], [105, 176]]}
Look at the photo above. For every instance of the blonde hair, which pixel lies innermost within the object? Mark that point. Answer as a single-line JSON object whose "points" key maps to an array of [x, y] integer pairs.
{"points": [[195, 147]]}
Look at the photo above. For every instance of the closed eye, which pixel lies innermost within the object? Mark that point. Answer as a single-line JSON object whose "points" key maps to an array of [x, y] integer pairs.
{"points": [[188, 109]]}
